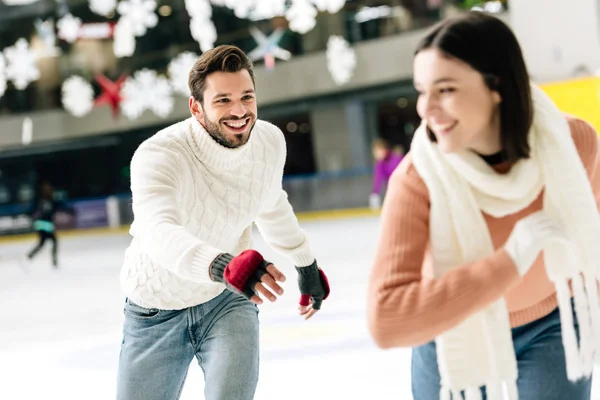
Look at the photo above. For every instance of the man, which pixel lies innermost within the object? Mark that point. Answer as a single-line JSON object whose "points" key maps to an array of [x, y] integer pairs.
{"points": [[191, 281]]}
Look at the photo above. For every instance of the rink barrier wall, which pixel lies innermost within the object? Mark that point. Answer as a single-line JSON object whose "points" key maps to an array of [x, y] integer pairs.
{"points": [[303, 216], [326, 195]]}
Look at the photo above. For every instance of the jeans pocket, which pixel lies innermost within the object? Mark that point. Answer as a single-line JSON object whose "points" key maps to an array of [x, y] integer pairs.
{"points": [[139, 312]]}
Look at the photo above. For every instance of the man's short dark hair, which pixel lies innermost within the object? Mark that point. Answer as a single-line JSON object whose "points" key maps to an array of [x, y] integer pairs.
{"points": [[223, 58]]}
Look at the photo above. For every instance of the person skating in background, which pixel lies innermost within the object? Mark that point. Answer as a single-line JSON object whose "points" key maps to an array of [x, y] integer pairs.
{"points": [[386, 161], [45, 208]]}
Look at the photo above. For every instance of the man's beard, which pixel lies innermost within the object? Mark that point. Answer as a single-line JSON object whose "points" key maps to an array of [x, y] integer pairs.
{"points": [[215, 131]]}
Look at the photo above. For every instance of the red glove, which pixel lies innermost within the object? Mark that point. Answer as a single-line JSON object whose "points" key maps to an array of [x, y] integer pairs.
{"points": [[241, 273]]}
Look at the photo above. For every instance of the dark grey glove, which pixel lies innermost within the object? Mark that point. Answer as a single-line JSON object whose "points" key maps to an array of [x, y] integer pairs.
{"points": [[313, 284]]}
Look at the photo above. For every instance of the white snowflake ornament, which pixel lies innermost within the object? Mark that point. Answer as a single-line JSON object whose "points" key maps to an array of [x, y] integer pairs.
{"points": [[68, 28], [2, 76], [198, 8], [204, 32], [146, 91], [179, 71], [267, 9], [242, 8], [103, 7], [140, 13], [301, 16], [341, 59], [77, 96], [123, 39], [21, 66], [331, 6]]}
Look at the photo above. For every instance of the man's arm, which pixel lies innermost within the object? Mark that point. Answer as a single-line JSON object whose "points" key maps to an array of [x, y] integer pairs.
{"points": [[158, 220], [277, 222], [279, 227]]}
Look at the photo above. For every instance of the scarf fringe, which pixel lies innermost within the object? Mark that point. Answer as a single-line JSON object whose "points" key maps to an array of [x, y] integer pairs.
{"points": [[494, 391], [473, 394], [579, 354], [591, 288], [511, 390], [586, 333]]}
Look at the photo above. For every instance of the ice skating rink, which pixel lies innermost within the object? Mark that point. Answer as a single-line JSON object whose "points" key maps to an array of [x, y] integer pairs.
{"points": [[61, 329]]}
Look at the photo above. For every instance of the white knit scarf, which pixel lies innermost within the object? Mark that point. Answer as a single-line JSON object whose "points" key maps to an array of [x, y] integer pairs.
{"points": [[479, 351]]}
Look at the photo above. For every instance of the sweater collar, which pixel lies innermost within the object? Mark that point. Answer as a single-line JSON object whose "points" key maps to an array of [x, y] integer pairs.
{"points": [[213, 154]]}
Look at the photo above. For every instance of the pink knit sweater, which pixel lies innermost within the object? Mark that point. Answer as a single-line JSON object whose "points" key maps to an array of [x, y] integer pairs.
{"points": [[408, 307]]}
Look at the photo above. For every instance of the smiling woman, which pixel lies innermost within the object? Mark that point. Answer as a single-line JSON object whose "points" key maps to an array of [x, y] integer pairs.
{"points": [[496, 175]]}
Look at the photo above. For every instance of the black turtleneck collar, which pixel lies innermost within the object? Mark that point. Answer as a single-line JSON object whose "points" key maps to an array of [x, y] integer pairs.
{"points": [[496, 158]]}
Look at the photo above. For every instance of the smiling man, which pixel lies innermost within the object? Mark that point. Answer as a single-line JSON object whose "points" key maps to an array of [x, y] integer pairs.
{"points": [[191, 280]]}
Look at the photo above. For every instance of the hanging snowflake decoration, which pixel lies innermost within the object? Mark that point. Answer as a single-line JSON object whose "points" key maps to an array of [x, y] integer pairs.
{"points": [[123, 39], [268, 9], [146, 91], [301, 16], [202, 27], [179, 71], [77, 96], [68, 28], [2, 76], [204, 32], [198, 9], [103, 7], [341, 59], [21, 66], [242, 8], [331, 6], [140, 14]]}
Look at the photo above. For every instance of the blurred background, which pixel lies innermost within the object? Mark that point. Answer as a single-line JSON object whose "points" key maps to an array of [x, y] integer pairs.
{"points": [[84, 82]]}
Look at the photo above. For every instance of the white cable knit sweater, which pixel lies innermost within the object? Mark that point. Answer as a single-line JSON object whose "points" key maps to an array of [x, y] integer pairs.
{"points": [[194, 199]]}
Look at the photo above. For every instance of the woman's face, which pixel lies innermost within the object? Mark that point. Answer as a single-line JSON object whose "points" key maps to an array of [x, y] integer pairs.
{"points": [[456, 104]]}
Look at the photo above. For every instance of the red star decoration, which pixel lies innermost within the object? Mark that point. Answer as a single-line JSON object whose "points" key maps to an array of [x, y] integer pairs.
{"points": [[111, 93]]}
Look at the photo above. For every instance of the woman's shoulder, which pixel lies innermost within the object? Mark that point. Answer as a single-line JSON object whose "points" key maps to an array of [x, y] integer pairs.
{"points": [[406, 176], [585, 138]]}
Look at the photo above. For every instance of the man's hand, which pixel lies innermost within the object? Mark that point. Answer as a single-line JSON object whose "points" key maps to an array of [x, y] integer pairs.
{"points": [[314, 288], [247, 274], [268, 281]]}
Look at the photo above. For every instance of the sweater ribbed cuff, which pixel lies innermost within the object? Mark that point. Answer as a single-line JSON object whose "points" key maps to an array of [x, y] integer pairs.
{"points": [[302, 256], [217, 268], [201, 263], [309, 270]]}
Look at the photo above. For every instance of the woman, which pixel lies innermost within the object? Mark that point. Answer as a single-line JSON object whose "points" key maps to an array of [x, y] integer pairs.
{"points": [[495, 175], [386, 162]]}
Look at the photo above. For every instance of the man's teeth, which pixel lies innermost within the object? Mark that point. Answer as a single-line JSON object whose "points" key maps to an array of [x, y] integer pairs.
{"points": [[236, 124]]}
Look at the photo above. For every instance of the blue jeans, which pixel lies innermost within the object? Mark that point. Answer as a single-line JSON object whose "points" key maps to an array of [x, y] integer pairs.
{"points": [[540, 360], [159, 345]]}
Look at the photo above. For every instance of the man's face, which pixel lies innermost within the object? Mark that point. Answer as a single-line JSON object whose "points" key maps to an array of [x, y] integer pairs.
{"points": [[229, 110]]}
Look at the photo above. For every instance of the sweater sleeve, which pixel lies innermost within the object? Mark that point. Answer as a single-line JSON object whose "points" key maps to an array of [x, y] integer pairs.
{"points": [[159, 221], [587, 142], [406, 309], [276, 220]]}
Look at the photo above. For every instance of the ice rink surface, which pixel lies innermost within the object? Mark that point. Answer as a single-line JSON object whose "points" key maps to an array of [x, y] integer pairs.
{"points": [[60, 330]]}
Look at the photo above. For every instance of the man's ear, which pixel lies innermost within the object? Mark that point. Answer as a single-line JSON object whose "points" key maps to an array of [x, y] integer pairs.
{"points": [[196, 108]]}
